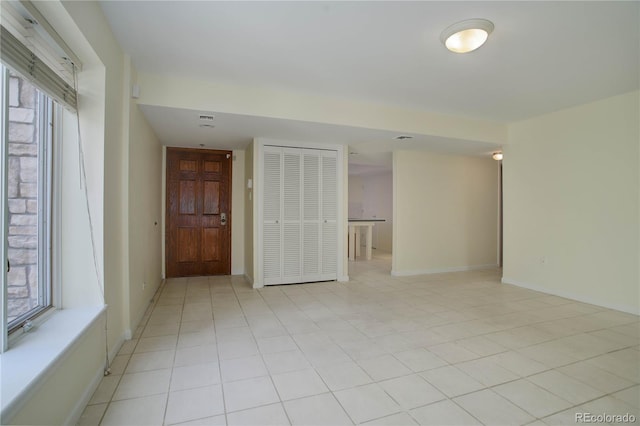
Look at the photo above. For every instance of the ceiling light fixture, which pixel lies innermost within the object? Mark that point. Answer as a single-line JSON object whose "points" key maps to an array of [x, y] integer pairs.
{"points": [[466, 36], [497, 156]]}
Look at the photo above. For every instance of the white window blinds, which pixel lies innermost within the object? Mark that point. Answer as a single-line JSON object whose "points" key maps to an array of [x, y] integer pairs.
{"points": [[30, 47]]}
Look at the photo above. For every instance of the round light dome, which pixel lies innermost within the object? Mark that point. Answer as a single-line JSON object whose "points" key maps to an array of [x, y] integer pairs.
{"points": [[466, 36]]}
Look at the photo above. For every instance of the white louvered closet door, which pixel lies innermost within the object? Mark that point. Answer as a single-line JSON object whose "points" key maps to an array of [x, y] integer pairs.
{"points": [[311, 244], [292, 199], [271, 216], [300, 203], [329, 218]]}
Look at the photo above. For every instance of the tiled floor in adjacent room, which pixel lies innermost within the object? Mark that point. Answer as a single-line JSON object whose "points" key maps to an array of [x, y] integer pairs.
{"points": [[456, 349]]}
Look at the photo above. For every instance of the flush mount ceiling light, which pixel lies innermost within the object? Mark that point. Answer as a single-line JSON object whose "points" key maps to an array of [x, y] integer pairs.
{"points": [[497, 156], [466, 36]]}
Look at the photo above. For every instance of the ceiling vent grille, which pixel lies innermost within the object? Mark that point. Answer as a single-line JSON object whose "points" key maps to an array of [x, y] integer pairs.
{"points": [[205, 117]]}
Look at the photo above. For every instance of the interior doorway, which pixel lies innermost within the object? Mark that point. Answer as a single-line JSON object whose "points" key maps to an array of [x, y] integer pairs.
{"points": [[371, 201], [198, 212]]}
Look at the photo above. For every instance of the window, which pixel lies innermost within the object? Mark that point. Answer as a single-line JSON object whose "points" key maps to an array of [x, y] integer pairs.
{"points": [[27, 138]]}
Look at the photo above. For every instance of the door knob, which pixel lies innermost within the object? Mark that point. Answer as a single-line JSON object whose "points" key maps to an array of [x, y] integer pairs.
{"points": [[223, 218]]}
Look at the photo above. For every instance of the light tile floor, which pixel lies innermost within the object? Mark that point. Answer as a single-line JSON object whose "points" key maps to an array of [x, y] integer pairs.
{"points": [[456, 348]]}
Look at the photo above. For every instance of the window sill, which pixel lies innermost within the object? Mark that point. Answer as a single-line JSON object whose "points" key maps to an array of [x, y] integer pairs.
{"points": [[34, 355]]}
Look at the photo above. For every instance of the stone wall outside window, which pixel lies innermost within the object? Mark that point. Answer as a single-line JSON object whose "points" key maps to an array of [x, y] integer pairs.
{"points": [[23, 196]]}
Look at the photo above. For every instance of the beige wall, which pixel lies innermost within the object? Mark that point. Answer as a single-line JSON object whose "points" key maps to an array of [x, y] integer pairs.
{"points": [[571, 197], [445, 212], [248, 213], [64, 390], [145, 210], [356, 196], [238, 185], [114, 136], [180, 92], [77, 272], [112, 200]]}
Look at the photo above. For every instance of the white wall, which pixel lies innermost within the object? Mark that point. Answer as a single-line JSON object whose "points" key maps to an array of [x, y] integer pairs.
{"points": [[371, 196], [571, 195], [445, 212]]}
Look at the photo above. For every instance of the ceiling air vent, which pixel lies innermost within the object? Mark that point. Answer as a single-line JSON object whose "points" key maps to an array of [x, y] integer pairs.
{"points": [[403, 137], [205, 117]]}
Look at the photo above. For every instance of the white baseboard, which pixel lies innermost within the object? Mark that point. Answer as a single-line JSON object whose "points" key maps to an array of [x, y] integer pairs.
{"points": [[573, 296], [406, 273]]}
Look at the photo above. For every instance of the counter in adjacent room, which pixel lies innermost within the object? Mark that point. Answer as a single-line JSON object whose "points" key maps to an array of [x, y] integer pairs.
{"points": [[355, 226]]}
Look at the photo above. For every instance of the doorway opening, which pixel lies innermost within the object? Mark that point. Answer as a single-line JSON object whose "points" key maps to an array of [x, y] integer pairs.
{"points": [[370, 210], [198, 212]]}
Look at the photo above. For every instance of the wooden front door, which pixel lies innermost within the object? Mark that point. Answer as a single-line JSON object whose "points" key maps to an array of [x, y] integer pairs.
{"points": [[198, 212]]}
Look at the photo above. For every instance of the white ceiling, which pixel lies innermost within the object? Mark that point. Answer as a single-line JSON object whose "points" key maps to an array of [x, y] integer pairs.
{"points": [[542, 56]]}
